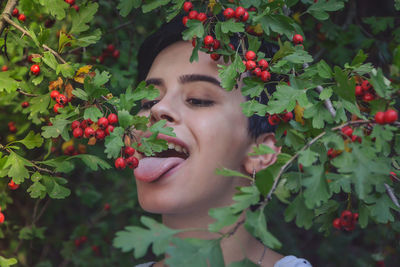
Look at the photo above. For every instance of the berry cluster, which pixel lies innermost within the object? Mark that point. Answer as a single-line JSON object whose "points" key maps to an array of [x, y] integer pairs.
{"points": [[365, 91], [240, 14], [103, 128], [110, 51], [12, 185], [275, 119], [72, 4], [15, 13], [211, 44], [259, 68], [80, 240], [127, 159], [192, 14], [61, 100], [385, 117], [348, 131], [1, 216], [11, 127], [346, 221]]}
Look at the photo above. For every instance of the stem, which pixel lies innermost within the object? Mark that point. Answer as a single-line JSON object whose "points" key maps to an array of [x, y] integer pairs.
{"points": [[45, 47], [392, 196], [19, 90], [7, 13]]}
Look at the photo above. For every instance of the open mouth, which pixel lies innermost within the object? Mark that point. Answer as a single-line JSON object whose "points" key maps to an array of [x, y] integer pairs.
{"points": [[173, 151]]}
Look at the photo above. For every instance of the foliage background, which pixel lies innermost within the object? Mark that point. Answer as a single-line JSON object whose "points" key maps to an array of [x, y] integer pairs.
{"points": [[47, 239]]}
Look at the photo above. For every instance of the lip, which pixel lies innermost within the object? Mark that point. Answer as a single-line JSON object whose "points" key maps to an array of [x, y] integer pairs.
{"points": [[170, 139]]}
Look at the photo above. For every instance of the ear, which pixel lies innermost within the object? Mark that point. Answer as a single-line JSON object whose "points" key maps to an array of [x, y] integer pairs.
{"points": [[260, 162]]}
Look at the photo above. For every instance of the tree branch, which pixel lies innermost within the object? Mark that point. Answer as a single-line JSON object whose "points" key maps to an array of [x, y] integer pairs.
{"points": [[19, 90], [45, 47], [7, 13]]}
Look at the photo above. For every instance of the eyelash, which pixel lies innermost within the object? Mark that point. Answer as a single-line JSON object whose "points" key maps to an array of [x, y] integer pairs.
{"points": [[203, 103]]}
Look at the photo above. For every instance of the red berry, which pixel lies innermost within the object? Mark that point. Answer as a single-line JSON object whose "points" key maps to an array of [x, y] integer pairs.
{"points": [[112, 118], [359, 90], [89, 121], [15, 12], [185, 19], [109, 129], [346, 215], [25, 104], [77, 242], [76, 7], [35, 69], [380, 117], [12, 129], [365, 85], [115, 54], [61, 99], [208, 41], [250, 55], [100, 134], [263, 64], [103, 123], [193, 14], [239, 12], [355, 217], [70, 2], [83, 239], [120, 163], [110, 48], [347, 131], [250, 64], [84, 124], [257, 72], [287, 117], [216, 44], [332, 153], [368, 97], [4, 68], [54, 94], [274, 119], [229, 13], [215, 56], [265, 76], [231, 46], [390, 116], [356, 138], [201, 16], [393, 177], [1, 217], [297, 39], [77, 132], [132, 162], [22, 17], [107, 207], [75, 124], [129, 151], [101, 58], [336, 223], [56, 107], [12, 185], [194, 42], [89, 132], [187, 6], [245, 17]]}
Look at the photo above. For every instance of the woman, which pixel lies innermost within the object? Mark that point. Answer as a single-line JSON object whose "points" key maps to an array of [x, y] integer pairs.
{"points": [[211, 132]]}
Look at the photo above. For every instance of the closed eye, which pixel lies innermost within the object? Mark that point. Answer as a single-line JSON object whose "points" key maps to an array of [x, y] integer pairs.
{"points": [[192, 101]]}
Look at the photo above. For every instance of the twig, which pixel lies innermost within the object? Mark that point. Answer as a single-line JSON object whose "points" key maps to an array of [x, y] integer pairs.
{"points": [[25, 93], [15, 25], [7, 13], [391, 194], [121, 26]]}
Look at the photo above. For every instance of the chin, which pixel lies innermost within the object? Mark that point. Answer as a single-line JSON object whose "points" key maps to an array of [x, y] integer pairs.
{"points": [[154, 203]]}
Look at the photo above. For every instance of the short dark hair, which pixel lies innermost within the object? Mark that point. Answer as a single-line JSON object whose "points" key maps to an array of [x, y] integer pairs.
{"points": [[170, 33]]}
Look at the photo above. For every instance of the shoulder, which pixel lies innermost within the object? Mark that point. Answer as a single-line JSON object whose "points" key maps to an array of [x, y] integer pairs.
{"points": [[147, 264], [292, 261]]}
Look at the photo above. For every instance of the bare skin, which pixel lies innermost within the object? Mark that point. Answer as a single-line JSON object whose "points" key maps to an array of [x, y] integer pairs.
{"points": [[216, 135]]}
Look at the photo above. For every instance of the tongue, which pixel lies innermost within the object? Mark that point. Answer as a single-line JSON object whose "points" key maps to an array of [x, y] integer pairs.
{"points": [[150, 169]]}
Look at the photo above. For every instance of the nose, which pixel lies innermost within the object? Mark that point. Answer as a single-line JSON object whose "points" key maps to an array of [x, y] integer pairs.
{"points": [[165, 109]]}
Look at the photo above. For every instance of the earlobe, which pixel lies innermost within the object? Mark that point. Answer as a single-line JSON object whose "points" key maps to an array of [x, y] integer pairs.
{"points": [[260, 162]]}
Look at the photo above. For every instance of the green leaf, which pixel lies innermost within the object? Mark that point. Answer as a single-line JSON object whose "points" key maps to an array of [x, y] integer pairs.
{"points": [[7, 83], [317, 191], [229, 74], [277, 23], [58, 128], [139, 239], [262, 149], [93, 162], [153, 4], [125, 119], [50, 60], [224, 216], [380, 208], [194, 28], [252, 87], [318, 9], [230, 173], [55, 7], [308, 157], [39, 105], [299, 56], [125, 6], [359, 58], [37, 190], [380, 83], [31, 232], [247, 195], [285, 98], [79, 93], [324, 70], [60, 163], [54, 187], [326, 94], [85, 40], [18, 170], [345, 87], [297, 209], [82, 18], [379, 24], [195, 252], [257, 226], [319, 115], [92, 113], [7, 262], [32, 140], [114, 143], [231, 26], [158, 127], [66, 70], [249, 108]]}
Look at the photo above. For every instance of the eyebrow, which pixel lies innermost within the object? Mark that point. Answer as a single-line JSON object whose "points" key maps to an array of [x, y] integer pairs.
{"points": [[188, 78]]}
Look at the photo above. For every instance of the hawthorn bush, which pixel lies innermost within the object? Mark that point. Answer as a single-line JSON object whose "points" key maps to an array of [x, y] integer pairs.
{"points": [[69, 98]]}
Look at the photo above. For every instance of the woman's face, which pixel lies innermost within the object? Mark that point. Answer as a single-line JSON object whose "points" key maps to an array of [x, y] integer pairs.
{"points": [[208, 119]]}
